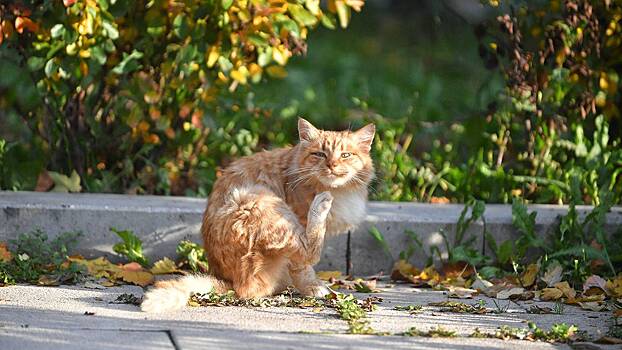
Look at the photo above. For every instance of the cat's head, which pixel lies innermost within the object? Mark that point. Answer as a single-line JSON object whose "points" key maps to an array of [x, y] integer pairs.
{"points": [[336, 158]]}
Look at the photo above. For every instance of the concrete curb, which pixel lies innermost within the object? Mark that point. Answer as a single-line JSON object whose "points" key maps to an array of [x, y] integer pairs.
{"points": [[161, 222]]}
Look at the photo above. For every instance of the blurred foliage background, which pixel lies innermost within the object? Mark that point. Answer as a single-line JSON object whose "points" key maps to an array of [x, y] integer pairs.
{"points": [[488, 100]]}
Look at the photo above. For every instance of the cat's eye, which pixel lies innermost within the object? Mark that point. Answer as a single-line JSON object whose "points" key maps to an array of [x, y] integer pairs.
{"points": [[319, 154], [345, 154]]}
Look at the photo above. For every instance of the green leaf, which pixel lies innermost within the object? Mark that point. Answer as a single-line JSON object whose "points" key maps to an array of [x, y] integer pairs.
{"points": [[57, 31], [110, 30], [193, 255], [226, 4], [65, 184], [505, 252], [131, 247], [98, 53], [328, 21], [50, 67], [378, 237], [301, 15], [129, 63], [36, 63], [257, 39]]}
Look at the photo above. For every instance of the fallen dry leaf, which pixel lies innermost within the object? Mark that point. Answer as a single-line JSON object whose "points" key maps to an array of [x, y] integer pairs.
{"points": [[363, 286], [140, 278], [526, 295], [133, 266], [529, 276], [568, 291], [588, 298], [458, 269], [614, 286], [461, 293], [593, 305], [403, 271], [44, 182], [608, 340], [553, 274], [99, 267], [93, 285], [506, 294], [594, 285], [164, 266], [439, 200], [5, 254], [327, 275], [548, 294], [108, 283], [46, 280], [537, 309], [429, 274], [481, 284]]}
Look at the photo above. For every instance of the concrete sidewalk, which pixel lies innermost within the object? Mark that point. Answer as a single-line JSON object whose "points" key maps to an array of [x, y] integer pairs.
{"points": [[74, 317]]}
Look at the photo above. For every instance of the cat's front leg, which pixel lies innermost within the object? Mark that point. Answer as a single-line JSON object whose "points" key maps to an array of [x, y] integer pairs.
{"points": [[307, 283], [316, 226]]}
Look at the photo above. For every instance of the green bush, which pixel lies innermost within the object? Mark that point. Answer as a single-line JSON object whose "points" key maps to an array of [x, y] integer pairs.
{"points": [[559, 117], [140, 96]]}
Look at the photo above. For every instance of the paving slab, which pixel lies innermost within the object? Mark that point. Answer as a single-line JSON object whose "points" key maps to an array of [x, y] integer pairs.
{"points": [[79, 339], [68, 316]]}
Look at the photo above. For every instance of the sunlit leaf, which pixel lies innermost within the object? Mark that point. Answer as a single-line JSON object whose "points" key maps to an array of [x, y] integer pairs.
{"points": [[164, 266]]}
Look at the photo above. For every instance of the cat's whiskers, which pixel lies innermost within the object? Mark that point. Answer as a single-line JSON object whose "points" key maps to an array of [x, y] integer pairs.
{"points": [[301, 177]]}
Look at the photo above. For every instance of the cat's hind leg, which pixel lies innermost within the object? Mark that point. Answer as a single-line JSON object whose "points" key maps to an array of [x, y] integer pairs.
{"points": [[261, 225]]}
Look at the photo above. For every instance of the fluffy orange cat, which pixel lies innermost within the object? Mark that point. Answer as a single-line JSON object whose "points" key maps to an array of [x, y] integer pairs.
{"points": [[266, 218]]}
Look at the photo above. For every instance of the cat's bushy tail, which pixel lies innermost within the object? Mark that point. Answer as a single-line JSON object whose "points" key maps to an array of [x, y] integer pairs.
{"points": [[174, 294]]}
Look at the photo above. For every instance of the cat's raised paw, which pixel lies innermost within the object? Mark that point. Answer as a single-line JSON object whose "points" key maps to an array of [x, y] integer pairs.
{"points": [[321, 205]]}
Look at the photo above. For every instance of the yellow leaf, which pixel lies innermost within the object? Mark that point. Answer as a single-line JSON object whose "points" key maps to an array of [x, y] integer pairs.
{"points": [[239, 76], [281, 54], [568, 291], [163, 266], [5, 254], [355, 4], [343, 12], [140, 278], [402, 270], [99, 267], [548, 294], [529, 276], [212, 56], [614, 286], [327, 275], [276, 72], [313, 6], [429, 273]]}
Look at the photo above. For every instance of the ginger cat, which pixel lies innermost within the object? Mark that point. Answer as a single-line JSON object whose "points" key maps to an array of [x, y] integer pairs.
{"points": [[266, 218]]}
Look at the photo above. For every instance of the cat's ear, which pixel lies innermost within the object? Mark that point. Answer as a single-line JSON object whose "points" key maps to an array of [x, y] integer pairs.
{"points": [[365, 136], [307, 131]]}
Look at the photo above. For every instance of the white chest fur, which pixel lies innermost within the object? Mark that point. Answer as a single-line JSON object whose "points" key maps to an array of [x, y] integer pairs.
{"points": [[348, 210]]}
